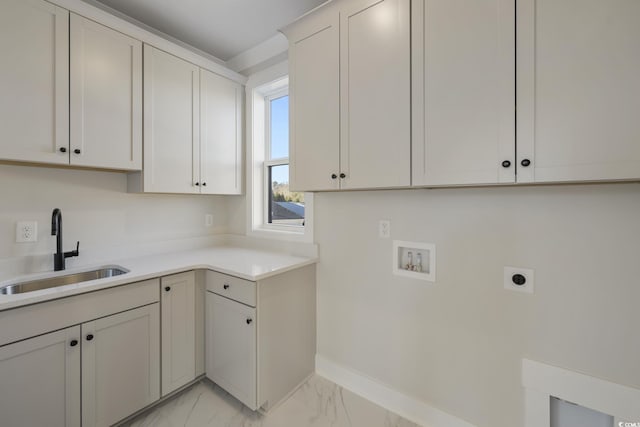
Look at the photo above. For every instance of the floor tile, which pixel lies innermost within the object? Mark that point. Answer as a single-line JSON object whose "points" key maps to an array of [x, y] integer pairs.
{"points": [[317, 403]]}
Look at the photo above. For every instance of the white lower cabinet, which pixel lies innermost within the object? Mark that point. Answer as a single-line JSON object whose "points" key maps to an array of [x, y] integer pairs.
{"points": [[40, 380], [94, 359], [92, 373], [109, 367], [120, 365], [231, 347], [178, 299], [260, 336]]}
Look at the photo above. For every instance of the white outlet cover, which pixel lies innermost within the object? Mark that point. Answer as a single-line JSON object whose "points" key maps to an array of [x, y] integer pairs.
{"points": [[527, 287], [26, 231], [384, 229], [208, 220]]}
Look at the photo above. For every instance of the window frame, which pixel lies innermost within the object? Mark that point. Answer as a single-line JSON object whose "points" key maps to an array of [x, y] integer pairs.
{"points": [[269, 162], [270, 82]]}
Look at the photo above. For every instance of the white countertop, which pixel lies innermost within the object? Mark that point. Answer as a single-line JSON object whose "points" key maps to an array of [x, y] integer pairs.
{"points": [[249, 264]]}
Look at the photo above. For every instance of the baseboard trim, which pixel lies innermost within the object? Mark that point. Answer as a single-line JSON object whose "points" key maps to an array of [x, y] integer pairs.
{"points": [[381, 394]]}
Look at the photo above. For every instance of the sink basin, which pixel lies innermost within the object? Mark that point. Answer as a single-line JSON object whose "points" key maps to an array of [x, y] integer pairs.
{"points": [[67, 279]]}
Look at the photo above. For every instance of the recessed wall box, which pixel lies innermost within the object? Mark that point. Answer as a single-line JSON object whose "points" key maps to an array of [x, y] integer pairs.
{"points": [[415, 260]]}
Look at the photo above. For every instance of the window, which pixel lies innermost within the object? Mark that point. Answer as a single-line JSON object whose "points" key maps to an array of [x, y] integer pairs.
{"points": [[283, 207], [273, 211]]}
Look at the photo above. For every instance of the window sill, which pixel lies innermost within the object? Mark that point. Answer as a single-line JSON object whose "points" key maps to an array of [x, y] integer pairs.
{"points": [[279, 234]]}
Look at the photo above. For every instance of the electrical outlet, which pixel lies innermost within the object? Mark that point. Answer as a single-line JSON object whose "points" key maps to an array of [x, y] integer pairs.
{"points": [[518, 279], [384, 229], [208, 220], [26, 231]]}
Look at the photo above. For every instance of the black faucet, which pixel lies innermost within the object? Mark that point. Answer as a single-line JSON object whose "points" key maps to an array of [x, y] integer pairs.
{"points": [[56, 230]]}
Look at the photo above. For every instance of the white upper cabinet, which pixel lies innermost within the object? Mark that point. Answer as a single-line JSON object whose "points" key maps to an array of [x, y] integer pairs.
{"points": [[375, 86], [578, 92], [34, 82], [350, 96], [106, 97], [73, 91], [314, 94], [192, 129], [220, 134], [577, 97], [171, 128], [463, 92]]}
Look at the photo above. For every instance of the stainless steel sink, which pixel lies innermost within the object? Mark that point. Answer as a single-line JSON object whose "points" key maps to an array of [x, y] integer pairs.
{"points": [[67, 279]]}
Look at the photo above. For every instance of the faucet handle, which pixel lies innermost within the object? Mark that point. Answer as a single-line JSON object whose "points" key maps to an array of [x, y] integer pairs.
{"points": [[73, 253]]}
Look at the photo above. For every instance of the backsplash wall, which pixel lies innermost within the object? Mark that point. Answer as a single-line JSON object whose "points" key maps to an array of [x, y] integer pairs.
{"points": [[97, 210], [458, 344]]}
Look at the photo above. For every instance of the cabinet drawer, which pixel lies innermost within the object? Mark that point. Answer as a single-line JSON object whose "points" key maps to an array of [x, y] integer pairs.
{"points": [[240, 290], [24, 322]]}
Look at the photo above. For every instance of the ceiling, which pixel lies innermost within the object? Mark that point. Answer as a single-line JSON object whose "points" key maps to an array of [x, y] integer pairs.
{"points": [[222, 28]]}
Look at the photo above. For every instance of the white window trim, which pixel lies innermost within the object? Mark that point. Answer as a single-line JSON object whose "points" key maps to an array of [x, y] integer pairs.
{"points": [[270, 96], [262, 84], [542, 381]]}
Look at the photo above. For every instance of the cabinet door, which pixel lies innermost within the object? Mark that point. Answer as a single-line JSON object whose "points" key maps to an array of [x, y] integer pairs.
{"points": [[178, 331], [231, 347], [375, 94], [34, 81], [463, 91], [120, 365], [220, 134], [578, 92], [314, 97], [106, 97], [40, 381], [171, 123]]}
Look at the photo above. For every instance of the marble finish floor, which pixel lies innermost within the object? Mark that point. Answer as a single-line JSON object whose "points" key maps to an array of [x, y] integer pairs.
{"points": [[317, 403]]}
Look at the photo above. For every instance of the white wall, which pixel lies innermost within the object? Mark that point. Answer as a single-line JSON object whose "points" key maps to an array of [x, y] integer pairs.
{"points": [[458, 344], [237, 207], [97, 210]]}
